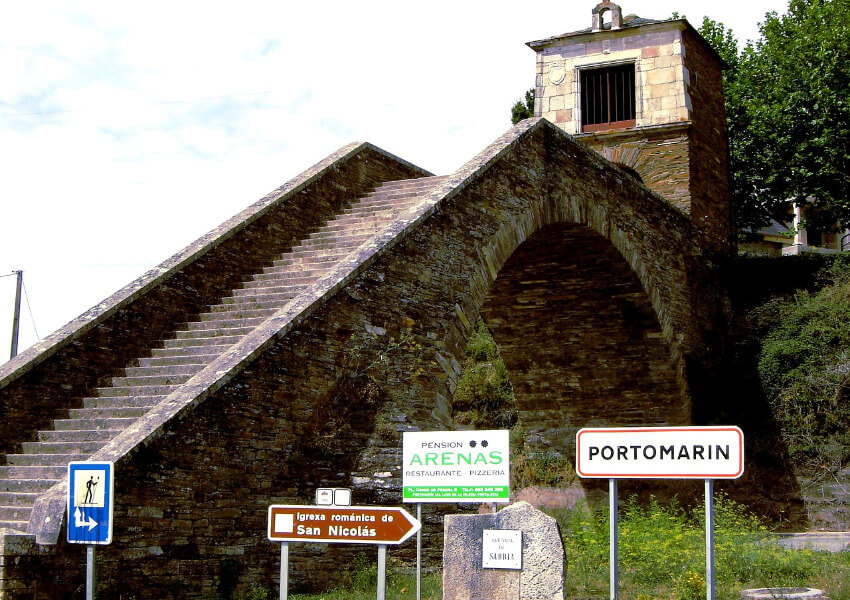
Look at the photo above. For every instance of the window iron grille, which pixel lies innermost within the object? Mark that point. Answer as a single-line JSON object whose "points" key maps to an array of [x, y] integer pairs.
{"points": [[608, 98]]}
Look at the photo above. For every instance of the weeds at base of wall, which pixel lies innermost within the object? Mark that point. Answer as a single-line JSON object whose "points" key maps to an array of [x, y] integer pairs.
{"points": [[661, 558]]}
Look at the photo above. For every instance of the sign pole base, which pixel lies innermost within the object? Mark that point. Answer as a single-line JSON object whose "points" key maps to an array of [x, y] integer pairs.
{"points": [[613, 558], [709, 539], [382, 572], [90, 574], [284, 570], [419, 553]]}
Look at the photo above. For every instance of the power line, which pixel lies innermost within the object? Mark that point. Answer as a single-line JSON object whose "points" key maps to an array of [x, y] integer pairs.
{"points": [[29, 309]]}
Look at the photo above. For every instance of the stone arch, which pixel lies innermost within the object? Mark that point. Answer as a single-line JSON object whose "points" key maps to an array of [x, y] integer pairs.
{"points": [[440, 275], [599, 12]]}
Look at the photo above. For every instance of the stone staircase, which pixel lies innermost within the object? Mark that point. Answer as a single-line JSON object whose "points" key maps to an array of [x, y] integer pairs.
{"points": [[147, 380]]}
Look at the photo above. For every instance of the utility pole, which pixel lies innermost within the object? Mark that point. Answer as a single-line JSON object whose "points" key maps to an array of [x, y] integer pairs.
{"points": [[16, 320]]}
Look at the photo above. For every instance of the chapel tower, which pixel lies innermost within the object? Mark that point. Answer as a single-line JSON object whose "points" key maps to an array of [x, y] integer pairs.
{"points": [[647, 95]]}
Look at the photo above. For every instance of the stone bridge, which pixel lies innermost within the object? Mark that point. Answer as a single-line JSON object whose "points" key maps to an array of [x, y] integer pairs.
{"points": [[290, 347]]}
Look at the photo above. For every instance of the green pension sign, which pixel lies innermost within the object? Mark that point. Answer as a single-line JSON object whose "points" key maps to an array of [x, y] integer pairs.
{"points": [[456, 466]]}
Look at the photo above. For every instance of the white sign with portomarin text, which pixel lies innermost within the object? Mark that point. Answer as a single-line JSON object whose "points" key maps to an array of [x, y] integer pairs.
{"points": [[660, 453]]}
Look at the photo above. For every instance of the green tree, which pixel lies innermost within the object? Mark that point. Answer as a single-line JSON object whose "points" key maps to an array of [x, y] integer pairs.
{"points": [[523, 110], [788, 112]]}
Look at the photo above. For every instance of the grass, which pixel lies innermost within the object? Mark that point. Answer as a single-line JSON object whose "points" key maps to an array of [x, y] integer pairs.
{"points": [[399, 587], [661, 557]]}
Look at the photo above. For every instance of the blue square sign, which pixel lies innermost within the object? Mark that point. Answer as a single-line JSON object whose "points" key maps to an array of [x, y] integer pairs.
{"points": [[90, 502]]}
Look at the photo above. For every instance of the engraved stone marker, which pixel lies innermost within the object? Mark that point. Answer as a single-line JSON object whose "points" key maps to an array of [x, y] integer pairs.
{"points": [[527, 561]]}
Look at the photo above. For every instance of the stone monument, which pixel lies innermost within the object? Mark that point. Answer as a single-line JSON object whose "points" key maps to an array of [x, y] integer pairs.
{"points": [[514, 554]]}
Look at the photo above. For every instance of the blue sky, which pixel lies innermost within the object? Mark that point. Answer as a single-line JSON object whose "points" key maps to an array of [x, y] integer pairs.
{"points": [[127, 130]]}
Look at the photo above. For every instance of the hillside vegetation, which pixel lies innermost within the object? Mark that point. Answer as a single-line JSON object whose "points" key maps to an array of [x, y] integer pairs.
{"points": [[804, 368]]}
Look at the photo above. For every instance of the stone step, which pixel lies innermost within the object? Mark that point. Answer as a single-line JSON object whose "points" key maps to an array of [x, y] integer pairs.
{"points": [[251, 322], [33, 472], [415, 182], [380, 202], [115, 402], [258, 289], [95, 413], [219, 312], [167, 370], [78, 435], [17, 527], [148, 380], [351, 227], [205, 334], [313, 273], [364, 214], [278, 277], [107, 423], [221, 340], [80, 448], [369, 227], [18, 498], [132, 392], [211, 352], [429, 181], [334, 243], [309, 253], [16, 514], [27, 486], [253, 302], [307, 261], [40, 460]]}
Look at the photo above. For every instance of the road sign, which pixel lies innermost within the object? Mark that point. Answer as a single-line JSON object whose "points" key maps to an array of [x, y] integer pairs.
{"points": [[660, 453], [333, 496], [341, 524], [456, 466], [90, 502]]}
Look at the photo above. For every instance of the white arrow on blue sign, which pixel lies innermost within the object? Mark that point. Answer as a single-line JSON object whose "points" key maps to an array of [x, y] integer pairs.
{"points": [[90, 502]]}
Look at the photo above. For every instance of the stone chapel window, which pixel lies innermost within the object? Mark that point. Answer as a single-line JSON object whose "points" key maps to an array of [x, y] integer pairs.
{"points": [[608, 98]]}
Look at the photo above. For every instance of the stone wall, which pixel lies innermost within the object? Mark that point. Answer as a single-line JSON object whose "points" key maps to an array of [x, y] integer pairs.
{"points": [[323, 400], [660, 75], [709, 149], [56, 372], [661, 157], [678, 143]]}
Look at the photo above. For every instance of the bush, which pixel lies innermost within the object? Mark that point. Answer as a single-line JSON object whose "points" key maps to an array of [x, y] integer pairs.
{"points": [[804, 367], [662, 554], [484, 397]]}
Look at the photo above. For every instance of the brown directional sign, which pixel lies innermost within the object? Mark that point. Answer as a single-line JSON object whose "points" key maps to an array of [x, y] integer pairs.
{"points": [[341, 524]]}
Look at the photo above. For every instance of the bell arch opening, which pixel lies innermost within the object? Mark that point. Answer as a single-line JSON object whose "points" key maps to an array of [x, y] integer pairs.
{"points": [[580, 340]]}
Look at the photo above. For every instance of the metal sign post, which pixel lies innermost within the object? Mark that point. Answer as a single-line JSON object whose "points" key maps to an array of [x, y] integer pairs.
{"points": [[382, 572], [419, 553], [709, 539], [90, 573], [614, 544], [284, 570]]}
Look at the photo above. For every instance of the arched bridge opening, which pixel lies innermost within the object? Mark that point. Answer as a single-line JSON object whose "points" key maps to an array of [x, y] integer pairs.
{"points": [[580, 339]]}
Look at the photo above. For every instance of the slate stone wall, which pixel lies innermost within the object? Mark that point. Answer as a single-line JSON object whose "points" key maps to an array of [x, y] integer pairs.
{"points": [[57, 372], [661, 157], [326, 402], [709, 148]]}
